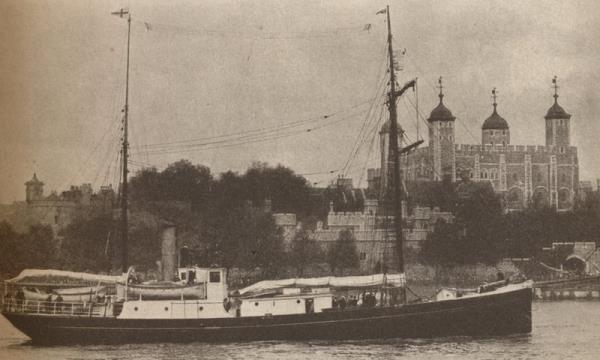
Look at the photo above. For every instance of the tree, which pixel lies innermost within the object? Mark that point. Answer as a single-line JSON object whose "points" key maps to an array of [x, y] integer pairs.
{"points": [[179, 181], [290, 193], [40, 247], [245, 237], [85, 242], [36, 248], [304, 251], [443, 245], [11, 250], [342, 253]]}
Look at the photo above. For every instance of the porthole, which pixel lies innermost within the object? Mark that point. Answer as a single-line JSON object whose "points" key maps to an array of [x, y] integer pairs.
{"points": [[166, 308], [135, 308], [201, 308], [256, 304], [298, 301]]}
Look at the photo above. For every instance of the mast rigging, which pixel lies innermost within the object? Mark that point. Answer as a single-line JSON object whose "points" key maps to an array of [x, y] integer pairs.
{"points": [[125, 146], [394, 151]]}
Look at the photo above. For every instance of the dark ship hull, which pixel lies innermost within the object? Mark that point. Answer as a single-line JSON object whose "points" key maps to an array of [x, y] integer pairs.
{"points": [[484, 315]]}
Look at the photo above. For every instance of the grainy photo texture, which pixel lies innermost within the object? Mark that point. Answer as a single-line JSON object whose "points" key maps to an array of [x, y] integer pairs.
{"points": [[299, 179]]}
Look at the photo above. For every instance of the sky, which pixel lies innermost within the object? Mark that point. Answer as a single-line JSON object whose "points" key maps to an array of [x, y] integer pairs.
{"points": [[204, 69]]}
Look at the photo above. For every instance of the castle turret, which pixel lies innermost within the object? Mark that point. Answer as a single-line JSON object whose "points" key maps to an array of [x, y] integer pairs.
{"points": [[34, 189], [495, 129], [441, 140], [557, 122]]}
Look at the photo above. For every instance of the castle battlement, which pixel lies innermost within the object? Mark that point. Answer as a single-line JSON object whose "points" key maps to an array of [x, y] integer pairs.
{"points": [[524, 149]]}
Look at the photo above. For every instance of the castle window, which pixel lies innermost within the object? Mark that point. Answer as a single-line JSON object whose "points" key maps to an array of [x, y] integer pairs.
{"points": [[363, 256], [561, 150]]}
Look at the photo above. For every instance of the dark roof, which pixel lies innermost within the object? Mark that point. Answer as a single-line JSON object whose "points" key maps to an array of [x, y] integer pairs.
{"points": [[34, 181], [441, 112], [557, 112], [495, 122]]}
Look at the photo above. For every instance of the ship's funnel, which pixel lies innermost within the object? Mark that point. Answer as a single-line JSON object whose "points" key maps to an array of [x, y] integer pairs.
{"points": [[169, 251]]}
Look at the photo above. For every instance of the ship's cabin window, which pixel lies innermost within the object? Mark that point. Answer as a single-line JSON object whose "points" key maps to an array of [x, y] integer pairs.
{"points": [[215, 276]]}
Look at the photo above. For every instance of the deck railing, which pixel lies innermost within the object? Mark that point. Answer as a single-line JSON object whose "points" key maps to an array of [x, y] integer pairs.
{"points": [[64, 308]]}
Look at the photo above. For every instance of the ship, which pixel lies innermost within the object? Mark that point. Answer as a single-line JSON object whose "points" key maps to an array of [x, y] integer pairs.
{"points": [[289, 309]]}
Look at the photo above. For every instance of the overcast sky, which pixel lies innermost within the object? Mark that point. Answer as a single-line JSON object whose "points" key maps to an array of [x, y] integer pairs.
{"points": [[201, 69]]}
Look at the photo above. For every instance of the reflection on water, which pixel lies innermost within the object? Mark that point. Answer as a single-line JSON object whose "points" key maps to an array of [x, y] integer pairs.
{"points": [[561, 330]]}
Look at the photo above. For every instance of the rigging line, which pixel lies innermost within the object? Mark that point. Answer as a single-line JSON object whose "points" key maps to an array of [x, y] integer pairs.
{"points": [[247, 141], [110, 169], [361, 138], [238, 141], [373, 136], [408, 111], [79, 170], [379, 83], [327, 171], [268, 128], [368, 158], [105, 161], [152, 26], [434, 90], [420, 114], [368, 119], [251, 136]]}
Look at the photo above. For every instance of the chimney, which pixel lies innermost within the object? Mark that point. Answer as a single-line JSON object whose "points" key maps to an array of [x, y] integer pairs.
{"points": [[169, 251]]}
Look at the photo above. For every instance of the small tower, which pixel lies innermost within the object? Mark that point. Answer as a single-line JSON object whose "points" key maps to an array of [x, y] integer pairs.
{"points": [[557, 122], [495, 129], [34, 189], [441, 140]]}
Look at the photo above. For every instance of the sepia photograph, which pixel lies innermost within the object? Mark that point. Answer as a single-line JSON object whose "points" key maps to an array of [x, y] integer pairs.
{"points": [[299, 179]]}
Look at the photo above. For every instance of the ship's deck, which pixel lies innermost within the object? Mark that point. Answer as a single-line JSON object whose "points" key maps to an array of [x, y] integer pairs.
{"points": [[64, 308]]}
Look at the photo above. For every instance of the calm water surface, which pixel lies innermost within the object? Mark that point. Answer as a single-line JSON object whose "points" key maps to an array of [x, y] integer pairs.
{"points": [[562, 330]]}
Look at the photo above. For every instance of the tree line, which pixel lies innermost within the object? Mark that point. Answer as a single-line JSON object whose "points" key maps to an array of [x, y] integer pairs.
{"points": [[483, 233], [221, 220]]}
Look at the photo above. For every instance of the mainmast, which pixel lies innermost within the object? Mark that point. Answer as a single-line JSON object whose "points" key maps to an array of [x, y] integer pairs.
{"points": [[125, 146], [394, 151]]}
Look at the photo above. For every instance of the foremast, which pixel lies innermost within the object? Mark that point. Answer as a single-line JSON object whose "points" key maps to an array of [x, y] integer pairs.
{"points": [[394, 159], [124, 151]]}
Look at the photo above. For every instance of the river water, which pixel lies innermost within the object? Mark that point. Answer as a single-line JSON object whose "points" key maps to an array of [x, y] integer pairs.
{"points": [[561, 330]]}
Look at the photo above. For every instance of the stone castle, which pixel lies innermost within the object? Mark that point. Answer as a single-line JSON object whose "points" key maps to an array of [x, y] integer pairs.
{"points": [[57, 210], [525, 175]]}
